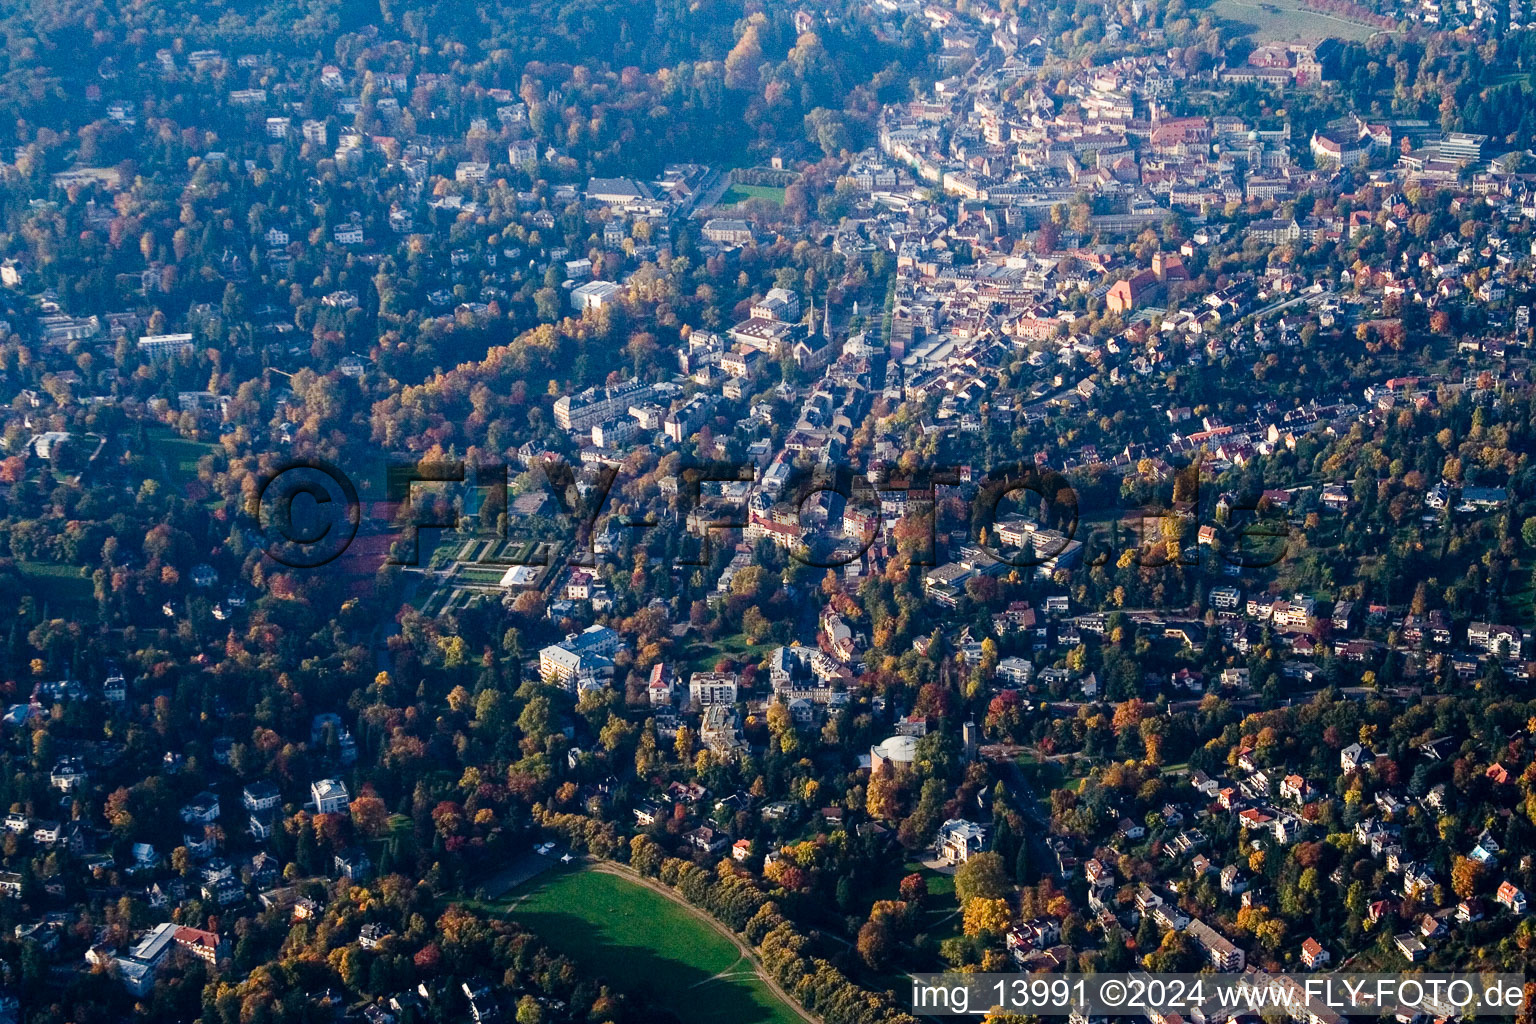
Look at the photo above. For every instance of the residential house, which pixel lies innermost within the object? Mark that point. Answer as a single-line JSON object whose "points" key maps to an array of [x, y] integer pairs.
{"points": [[708, 838], [353, 863], [202, 809], [706, 688], [662, 683], [1221, 953], [958, 839], [260, 797], [329, 796], [68, 775], [204, 945], [1355, 756], [1296, 789], [719, 731], [373, 935]]}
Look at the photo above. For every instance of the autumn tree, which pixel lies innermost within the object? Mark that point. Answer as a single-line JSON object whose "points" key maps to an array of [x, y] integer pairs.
{"points": [[884, 795], [1466, 875], [983, 916], [982, 876]]}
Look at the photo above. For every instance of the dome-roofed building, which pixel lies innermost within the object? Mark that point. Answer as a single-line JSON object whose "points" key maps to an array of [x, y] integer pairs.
{"points": [[895, 751]]}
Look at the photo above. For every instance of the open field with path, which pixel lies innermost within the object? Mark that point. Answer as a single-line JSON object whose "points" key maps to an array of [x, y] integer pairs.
{"points": [[642, 940], [1283, 21]]}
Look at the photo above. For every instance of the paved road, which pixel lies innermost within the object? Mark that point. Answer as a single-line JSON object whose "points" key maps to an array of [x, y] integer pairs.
{"points": [[1311, 297], [705, 207], [1028, 802]]}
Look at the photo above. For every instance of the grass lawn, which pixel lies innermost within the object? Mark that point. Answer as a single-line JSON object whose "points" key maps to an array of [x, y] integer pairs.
{"points": [[941, 887], [741, 193], [939, 920], [1287, 20], [432, 602], [703, 655], [178, 455], [644, 943], [489, 577], [1520, 596], [521, 552], [939, 905], [59, 584]]}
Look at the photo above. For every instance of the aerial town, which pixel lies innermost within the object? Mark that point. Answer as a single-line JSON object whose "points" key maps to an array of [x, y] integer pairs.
{"points": [[556, 513]]}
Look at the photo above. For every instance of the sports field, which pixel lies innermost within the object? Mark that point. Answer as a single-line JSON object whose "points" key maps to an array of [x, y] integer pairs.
{"points": [[644, 943]]}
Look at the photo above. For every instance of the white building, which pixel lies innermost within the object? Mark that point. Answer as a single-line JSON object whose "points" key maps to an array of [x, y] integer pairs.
{"points": [[594, 295], [330, 796], [136, 968], [161, 346], [1015, 671], [582, 661], [260, 796], [471, 171], [1221, 953], [958, 840], [706, 688]]}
